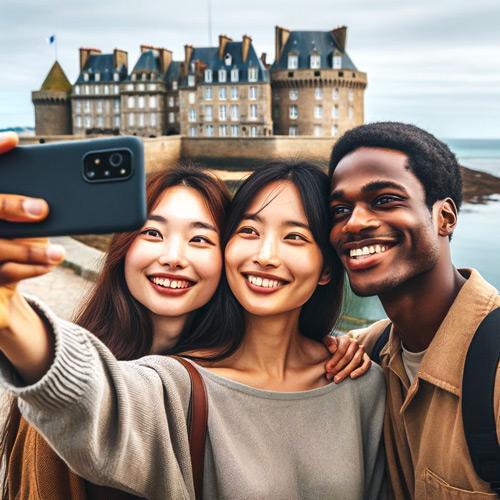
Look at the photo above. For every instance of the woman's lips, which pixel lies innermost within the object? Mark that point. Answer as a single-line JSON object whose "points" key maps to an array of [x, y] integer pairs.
{"points": [[263, 285]]}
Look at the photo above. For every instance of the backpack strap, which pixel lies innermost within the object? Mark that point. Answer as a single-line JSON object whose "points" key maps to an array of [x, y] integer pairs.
{"points": [[478, 386], [197, 424], [380, 343]]}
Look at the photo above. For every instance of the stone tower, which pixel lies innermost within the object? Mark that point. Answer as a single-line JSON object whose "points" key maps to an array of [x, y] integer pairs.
{"points": [[53, 104]]}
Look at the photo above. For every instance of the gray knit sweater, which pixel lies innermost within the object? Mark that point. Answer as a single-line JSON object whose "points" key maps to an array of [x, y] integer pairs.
{"points": [[123, 424]]}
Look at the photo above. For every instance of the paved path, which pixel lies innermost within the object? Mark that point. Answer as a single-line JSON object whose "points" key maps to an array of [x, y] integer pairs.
{"points": [[61, 289]]}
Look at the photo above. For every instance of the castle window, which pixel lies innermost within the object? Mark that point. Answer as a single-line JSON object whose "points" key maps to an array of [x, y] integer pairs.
{"points": [[141, 120], [116, 76], [141, 87], [144, 77], [129, 86], [152, 119], [253, 74], [77, 90], [318, 111], [192, 115], [191, 97], [141, 102], [253, 112], [207, 92], [116, 121], [336, 60], [78, 106], [293, 94], [87, 122], [253, 131], [252, 93], [235, 75], [210, 131], [294, 112], [97, 77], [235, 130], [133, 77], [98, 106], [171, 102], [350, 95], [318, 93], [335, 130], [86, 106], [171, 117], [131, 120], [293, 130], [335, 111], [222, 93], [222, 112], [318, 131], [222, 76], [78, 121], [130, 101], [192, 131], [234, 93], [222, 130], [228, 60], [85, 77], [208, 113], [100, 121], [293, 61], [152, 86], [116, 105], [350, 113], [174, 85], [315, 61], [152, 101], [97, 90], [208, 76], [335, 94], [191, 81], [235, 112], [106, 89]]}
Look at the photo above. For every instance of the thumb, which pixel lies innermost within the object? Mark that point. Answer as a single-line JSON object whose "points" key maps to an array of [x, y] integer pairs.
{"points": [[8, 141], [331, 343]]}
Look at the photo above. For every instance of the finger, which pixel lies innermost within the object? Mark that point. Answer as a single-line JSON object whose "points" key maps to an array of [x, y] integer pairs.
{"points": [[12, 272], [18, 208], [367, 363], [331, 343], [343, 343], [355, 362], [8, 141], [29, 253], [349, 354]]}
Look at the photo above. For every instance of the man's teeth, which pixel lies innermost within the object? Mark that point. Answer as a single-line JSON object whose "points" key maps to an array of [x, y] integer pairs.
{"points": [[168, 283], [263, 282], [359, 252]]}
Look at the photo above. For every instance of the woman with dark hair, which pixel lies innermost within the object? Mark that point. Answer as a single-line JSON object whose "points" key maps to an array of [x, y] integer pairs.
{"points": [[262, 365]]}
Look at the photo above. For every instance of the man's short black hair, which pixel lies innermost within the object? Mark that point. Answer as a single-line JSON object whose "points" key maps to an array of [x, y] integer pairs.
{"points": [[431, 160]]}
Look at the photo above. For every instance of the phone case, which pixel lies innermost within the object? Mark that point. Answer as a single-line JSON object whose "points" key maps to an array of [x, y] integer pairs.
{"points": [[55, 172]]}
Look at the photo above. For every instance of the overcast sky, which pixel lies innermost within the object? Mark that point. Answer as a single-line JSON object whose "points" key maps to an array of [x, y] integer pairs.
{"points": [[435, 63]]}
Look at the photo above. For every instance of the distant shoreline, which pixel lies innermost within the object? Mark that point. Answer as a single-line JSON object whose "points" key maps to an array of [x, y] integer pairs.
{"points": [[479, 186]]}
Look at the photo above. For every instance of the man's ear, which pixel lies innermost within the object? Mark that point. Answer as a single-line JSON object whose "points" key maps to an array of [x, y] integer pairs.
{"points": [[447, 216], [326, 276]]}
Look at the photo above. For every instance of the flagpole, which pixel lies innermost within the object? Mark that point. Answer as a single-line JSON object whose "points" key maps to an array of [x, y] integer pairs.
{"points": [[210, 23]]}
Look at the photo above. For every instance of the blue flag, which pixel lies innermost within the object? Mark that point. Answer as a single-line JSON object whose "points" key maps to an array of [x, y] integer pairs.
{"points": [[51, 39]]}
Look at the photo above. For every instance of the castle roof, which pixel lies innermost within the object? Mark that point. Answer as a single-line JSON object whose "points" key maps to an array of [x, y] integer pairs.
{"points": [[305, 43], [173, 71], [104, 65], [56, 80], [148, 62]]}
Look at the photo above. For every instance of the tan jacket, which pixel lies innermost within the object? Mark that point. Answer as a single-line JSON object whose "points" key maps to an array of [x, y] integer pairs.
{"points": [[35, 472], [425, 445]]}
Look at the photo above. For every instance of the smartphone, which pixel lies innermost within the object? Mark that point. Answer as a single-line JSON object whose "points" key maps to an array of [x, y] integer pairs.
{"points": [[92, 186]]}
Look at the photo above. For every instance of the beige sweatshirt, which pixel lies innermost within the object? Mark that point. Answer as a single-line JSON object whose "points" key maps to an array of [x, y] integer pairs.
{"points": [[123, 424]]}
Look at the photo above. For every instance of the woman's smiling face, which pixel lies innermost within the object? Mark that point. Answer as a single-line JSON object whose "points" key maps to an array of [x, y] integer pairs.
{"points": [[174, 265], [273, 264]]}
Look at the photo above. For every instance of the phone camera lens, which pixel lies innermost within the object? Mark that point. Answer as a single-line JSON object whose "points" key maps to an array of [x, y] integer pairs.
{"points": [[116, 159]]}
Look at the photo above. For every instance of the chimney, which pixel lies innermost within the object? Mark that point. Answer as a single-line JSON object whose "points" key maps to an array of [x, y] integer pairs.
{"points": [[145, 48], [120, 58], [340, 35], [85, 54], [247, 41], [263, 58], [280, 38], [165, 59], [188, 52], [223, 41]]}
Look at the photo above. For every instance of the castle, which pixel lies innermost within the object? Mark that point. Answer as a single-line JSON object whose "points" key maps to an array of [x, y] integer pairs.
{"points": [[312, 89]]}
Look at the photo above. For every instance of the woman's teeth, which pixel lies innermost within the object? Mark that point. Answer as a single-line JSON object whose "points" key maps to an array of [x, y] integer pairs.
{"points": [[360, 252], [263, 282], [168, 283]]}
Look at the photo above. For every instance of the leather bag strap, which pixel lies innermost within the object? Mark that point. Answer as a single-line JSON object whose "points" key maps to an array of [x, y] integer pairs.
{"points": [[197, 424]]}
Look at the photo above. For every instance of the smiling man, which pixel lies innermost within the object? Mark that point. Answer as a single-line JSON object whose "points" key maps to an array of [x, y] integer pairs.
{"points": [[395, 195]]}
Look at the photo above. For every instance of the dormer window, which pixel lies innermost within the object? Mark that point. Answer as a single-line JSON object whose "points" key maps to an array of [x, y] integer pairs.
{"points": [[174, 85], [144, 77], [228, 60], [191, 81], [97, 77], [293, 61], [253, 74], [86, 77], [235, 74], [116, 76], [133, 77], [208, 76], [315, 61], [337, 60], [222, 75]]}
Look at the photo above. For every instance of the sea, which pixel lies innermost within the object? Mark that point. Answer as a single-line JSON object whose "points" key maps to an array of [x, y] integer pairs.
{"points": [[476, 241]]}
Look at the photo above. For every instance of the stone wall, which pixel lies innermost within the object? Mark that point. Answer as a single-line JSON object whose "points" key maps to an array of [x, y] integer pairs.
{"points": [[162, 152]]}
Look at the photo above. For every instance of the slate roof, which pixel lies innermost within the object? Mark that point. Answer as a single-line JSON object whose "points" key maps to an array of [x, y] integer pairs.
{"points": [[210, 57], [102, 64], [304, 43], [56, 80], [173, 72], [148, 62]]}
